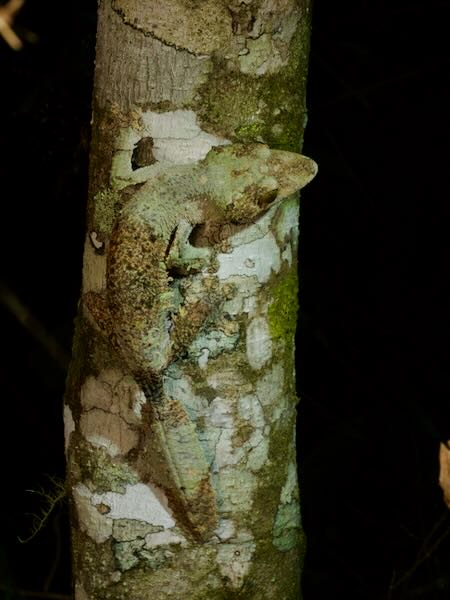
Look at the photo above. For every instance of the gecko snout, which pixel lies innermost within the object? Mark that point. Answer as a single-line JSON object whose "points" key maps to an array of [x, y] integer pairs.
{"points": [[292, 171]]}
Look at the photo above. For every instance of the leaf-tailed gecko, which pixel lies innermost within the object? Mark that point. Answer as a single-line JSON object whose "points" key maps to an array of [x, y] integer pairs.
{"points": [[170, 228]]}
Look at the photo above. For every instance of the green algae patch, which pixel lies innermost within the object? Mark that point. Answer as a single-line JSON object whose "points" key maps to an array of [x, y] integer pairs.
{"points": [[282, 312], [253, 110]]}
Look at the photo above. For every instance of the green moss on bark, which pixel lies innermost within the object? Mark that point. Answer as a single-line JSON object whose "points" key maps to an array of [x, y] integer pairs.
{"points": [[282, 312], [269, 108]]}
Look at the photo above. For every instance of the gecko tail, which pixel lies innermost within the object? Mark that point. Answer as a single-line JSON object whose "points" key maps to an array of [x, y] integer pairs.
{"points": [[178, 465]]}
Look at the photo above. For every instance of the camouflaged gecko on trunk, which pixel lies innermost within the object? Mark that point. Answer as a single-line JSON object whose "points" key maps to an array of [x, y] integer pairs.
{"points": [[170, 230]]}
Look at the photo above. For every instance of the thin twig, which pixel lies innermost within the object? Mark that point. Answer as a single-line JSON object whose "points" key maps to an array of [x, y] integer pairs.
{"points": [[7, 15]]}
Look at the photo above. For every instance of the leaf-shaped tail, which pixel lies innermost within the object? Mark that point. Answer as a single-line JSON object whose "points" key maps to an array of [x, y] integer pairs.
{"points": [[178, 465]]}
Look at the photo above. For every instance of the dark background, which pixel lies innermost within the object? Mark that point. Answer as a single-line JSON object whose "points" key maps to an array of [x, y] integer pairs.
{"points": [[374, 327]]}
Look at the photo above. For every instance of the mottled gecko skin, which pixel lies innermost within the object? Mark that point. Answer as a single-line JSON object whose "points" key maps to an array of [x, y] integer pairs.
{"points": [[170, 228]]}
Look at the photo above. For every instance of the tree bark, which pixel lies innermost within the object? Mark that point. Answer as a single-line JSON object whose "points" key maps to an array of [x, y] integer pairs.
{"points": [[180, 406]]}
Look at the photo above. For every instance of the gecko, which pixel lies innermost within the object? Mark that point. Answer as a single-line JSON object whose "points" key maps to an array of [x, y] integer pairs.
{"points": [[171, 229]]}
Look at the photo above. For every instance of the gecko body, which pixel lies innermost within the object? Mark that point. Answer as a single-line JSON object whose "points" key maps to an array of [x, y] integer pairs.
{"points": [[170, 229]]}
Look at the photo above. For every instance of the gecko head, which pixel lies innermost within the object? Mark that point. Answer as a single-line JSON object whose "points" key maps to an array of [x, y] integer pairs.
{"points": [[249, 178]]}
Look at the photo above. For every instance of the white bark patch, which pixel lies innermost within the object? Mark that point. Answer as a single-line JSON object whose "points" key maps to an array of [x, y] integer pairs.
{"points": [[202, 360], [234, 561], [108, 431], [287, 255], [69, 426], [269, 389], [287, 224], [139, 502], [287, 230], [259, 343], [245, 300], [178, 386], [226, 378], [233, 458], [139, 400], [214, 342], [256, 259], [125, 530], [268, 51], [94, 268], [263, 56], [163, 538], [96, 393], [95, 241], [259, 453], [112, 404], [223, 425], [251, 410], [226, 529], [99, 441], [237, 485], [226, 454], [113, 392], [221, 413], [177, 139], [257, 445], [221, 419]]}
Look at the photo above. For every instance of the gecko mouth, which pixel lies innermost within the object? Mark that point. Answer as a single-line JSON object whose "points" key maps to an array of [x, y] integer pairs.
{"points": [[171, 241]]}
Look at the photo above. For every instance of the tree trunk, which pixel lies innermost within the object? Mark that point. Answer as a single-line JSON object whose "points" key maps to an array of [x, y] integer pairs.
{"points": [[180, 406]]}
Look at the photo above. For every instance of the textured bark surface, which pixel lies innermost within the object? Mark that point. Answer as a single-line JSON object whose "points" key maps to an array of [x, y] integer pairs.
{"points": [[216, 424]]}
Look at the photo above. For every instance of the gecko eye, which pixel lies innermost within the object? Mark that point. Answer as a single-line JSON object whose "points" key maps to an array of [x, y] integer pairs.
{"points": [[197, 236], [143, 154], [266, 198]]}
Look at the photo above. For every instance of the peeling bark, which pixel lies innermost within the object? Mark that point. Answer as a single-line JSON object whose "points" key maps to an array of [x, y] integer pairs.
{"points": [[180, 407]]}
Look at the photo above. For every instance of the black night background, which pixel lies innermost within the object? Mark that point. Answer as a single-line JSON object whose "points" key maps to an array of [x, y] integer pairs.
{"points": [[374, 327]]}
